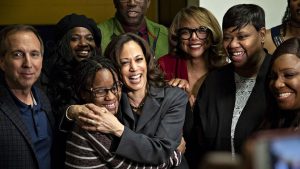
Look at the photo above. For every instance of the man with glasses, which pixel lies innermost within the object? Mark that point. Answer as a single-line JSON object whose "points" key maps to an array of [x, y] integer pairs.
{"points": [[130, 17]]}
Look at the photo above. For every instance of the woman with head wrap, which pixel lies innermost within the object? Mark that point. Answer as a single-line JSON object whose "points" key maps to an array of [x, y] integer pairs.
{"points": [[77, 38]]}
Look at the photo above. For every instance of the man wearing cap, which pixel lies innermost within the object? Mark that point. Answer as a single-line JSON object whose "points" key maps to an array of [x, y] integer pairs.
{"points": [[130, 17], [26, 121]]}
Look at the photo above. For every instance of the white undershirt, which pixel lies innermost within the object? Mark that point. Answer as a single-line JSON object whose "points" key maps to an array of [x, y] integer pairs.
{"points": [[244, 87]]}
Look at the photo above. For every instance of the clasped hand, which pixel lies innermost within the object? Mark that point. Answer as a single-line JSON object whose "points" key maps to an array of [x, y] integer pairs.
{"points": [[184, 85], [94, 118]]}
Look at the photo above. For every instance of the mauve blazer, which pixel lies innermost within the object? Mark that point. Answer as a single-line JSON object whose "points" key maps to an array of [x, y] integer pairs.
{"points": [[16, 148], [158, 131]]}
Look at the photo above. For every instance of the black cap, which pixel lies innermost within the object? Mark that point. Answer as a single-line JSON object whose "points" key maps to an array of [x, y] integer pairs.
{"points": [[74, 20]]}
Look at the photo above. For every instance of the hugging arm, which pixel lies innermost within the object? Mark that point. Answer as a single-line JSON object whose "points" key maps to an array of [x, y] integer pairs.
{"points": [[92, 149]]}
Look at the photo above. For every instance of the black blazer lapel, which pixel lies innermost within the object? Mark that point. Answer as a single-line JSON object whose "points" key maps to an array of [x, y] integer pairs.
{"points": [[226, 104], [256, 105], [9, 108], [46, 107], [151, 106], [126, 115]]}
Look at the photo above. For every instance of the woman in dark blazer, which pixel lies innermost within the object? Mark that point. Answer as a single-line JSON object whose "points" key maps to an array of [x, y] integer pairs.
{"points": [[231, 101], [149, 127]]}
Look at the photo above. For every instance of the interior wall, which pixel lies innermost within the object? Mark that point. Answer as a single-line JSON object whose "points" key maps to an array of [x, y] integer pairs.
{"points": [[48, 12], [168, 9], [274, 9]]}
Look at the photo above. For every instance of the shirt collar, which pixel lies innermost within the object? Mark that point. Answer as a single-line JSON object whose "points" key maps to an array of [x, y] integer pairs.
{"points": [[142, 30]]}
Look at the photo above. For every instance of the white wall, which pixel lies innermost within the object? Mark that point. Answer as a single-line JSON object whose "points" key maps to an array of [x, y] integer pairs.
{"points": [[274, 9]]}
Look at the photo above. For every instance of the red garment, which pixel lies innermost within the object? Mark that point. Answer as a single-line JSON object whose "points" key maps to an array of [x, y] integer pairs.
{"points": [[174, 66], [142, 32]]}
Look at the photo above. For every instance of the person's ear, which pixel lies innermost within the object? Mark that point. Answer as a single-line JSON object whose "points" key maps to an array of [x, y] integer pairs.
{"points": [[262, 34]]}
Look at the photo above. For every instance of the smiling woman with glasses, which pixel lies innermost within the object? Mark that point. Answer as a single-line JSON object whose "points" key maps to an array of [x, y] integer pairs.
{"points": [[196, 40]]}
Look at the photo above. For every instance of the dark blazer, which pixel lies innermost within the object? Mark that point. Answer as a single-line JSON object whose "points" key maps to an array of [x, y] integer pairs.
{"points": [[158, 131], [214, 109], [16, 148]]}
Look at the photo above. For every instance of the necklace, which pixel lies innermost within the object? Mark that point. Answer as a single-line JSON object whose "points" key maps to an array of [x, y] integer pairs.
{"points": [[137, 107]]}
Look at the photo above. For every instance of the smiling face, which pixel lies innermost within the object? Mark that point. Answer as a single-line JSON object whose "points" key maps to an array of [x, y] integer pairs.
{"points": [[82, 42], [22, 63], [244, 46], [131, 12], [285, 81], [194, 46], [104, 80], [133, 67]]}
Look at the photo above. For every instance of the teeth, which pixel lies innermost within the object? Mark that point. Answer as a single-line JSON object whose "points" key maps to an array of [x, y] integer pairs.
{"points": [[132, 14], [135, 77], [195, 46], [110, 106], [83, 52], [237, 53], [284, 95]]}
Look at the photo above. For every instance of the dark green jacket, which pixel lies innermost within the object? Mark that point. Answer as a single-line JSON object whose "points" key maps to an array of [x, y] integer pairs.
{"points": [[158, 35]]}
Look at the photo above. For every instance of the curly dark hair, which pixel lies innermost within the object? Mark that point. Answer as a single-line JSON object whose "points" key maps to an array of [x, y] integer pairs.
{"points": [[85, 73], [59, 86], [286, 18], [155, 76]]}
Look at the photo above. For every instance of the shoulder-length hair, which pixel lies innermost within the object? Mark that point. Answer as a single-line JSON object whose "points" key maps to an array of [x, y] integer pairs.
{"points": [[155, 76], [215, 56]]}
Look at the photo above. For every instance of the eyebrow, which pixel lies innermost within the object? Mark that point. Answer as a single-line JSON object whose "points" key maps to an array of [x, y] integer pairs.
{"points": [[139, 55], [36, 51], [287, 69]]}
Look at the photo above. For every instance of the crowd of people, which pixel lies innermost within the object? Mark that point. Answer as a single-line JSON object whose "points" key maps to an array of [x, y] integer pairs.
{"points": [[131, 93]]}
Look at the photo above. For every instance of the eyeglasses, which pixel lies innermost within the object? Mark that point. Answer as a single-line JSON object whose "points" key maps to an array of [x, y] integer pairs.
{"points": [[186, 33], [101, 92], [126, 1]]}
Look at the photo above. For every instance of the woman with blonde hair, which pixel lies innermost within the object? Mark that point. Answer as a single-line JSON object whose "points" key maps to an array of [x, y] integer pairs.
{"points": [[195, 38]]}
